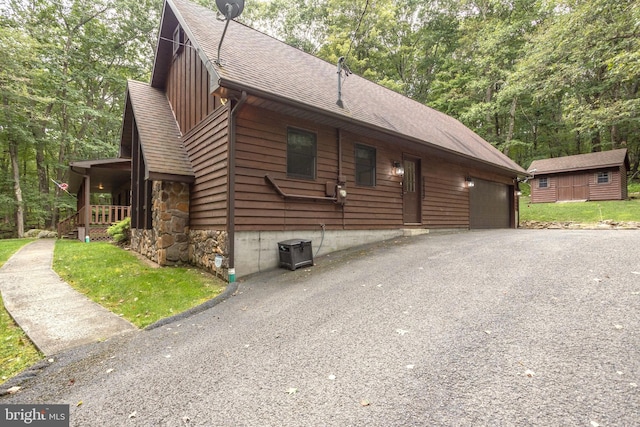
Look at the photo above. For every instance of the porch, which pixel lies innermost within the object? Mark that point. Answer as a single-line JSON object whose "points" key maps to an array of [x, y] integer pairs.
{"points": [[99, 218], [103, 192]]}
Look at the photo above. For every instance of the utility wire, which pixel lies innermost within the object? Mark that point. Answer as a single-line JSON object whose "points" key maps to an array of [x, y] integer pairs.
{"points": [[366, 6]]}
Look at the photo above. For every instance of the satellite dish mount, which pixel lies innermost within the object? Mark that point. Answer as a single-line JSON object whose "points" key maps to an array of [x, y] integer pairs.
{"points": [[231, 9]]}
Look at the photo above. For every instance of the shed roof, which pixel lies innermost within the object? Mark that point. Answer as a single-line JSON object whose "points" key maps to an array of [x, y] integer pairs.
{"points": [[159, 134], [268, 68], [603, 159]]}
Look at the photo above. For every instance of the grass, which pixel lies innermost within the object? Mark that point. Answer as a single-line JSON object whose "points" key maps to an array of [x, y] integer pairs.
{"points": [[16, 350], [114, 278], [583, 212], [119, 281], [9, 247]]}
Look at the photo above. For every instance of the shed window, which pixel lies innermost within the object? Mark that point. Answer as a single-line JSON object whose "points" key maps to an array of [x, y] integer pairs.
{"points": [[603, 177], [301, 154], [365, 165], [543, 182]]}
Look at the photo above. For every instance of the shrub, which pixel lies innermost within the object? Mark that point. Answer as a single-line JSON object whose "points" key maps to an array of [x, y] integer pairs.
{"points": [[121, 231]]}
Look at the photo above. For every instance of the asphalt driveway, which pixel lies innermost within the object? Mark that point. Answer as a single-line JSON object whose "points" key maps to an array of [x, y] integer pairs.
{"points": [[495, 328]]}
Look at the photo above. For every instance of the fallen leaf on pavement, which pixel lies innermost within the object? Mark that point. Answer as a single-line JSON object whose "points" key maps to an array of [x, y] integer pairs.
{"points": [[365, 402], [13, 390], [292, 390]]}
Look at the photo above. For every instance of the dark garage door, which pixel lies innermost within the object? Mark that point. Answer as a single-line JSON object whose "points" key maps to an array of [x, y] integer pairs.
{"points": [[490, 205]]}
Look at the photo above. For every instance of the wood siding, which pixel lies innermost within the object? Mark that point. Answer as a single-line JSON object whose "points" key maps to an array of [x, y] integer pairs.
{"points": [[262, 149], [544, 195], [581, 185], [207, 147], [188, 89], [446, 200], [609, 191]]}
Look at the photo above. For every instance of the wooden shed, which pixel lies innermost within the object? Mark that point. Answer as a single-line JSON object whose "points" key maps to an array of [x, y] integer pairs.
{"points": [[241, 144], [592, 176]]}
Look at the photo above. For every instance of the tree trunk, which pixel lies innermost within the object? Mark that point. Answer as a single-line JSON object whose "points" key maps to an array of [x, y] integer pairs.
{"points": [[15, 170], [43, 180], [614, 137], [512, 125]]}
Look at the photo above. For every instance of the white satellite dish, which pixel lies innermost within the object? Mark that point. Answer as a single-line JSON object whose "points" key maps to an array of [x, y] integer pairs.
{"points": [[231, 9]]}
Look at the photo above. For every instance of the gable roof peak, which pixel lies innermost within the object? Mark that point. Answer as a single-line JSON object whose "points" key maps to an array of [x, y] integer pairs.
{"points": [[270, 69]]}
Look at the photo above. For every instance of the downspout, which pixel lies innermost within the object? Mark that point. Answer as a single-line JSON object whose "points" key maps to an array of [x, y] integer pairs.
{"points": [[342, 180], [231, 173]]}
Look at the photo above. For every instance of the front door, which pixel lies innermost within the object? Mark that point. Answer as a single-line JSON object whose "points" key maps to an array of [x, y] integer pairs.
{"points": [[411, 191]]}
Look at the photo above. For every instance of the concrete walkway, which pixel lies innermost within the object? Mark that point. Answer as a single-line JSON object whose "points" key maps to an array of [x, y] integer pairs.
{"points": [[53, 315]]}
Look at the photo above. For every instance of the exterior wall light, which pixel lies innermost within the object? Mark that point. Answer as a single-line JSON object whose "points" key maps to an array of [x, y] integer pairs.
{"points": [[518, 193], [469, 182], [397, 170]]}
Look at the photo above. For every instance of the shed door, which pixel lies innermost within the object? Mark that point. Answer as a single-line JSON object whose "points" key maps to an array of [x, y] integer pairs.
{"points": [[411, 202], [573, 187], [490, 205]]}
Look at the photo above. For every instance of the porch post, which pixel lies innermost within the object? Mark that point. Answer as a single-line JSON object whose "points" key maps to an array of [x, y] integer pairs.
{"points": [[87, 205]]}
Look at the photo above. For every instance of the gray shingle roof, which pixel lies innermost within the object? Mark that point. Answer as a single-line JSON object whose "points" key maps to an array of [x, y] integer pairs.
{"points": [[262, 65], [159, 134], [604, 159]]}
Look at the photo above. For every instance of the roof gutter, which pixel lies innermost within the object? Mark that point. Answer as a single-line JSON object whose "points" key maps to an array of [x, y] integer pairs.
{"points": [[231, 173], [224, 86]]}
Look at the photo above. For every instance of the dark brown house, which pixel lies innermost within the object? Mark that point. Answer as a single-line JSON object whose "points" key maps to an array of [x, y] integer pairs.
{"points": [[237, 149], [592, 176]]}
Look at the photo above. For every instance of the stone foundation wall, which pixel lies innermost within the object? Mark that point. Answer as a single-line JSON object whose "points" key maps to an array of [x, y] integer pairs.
{"points": [[205, 245], [171, 220], [144, 242], [167, 243]]}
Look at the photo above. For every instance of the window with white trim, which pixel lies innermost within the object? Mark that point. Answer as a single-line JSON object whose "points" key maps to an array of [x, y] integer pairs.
{"points": [[543, 182], [603, 177]]}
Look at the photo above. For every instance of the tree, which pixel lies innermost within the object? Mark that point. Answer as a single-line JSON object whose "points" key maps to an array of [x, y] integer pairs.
{"points": [[586, 61], [84, 53]]}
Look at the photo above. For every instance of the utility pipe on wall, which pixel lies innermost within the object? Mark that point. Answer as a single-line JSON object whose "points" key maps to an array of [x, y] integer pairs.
{"points": [[231, 173]]}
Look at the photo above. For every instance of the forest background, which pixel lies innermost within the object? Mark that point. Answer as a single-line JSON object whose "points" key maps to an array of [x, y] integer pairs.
{"points": [[536, 78]]}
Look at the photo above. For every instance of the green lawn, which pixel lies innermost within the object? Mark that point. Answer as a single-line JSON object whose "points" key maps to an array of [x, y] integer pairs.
{"points": [[114, 278], [16, 351], [580, 212], [118, 280]]}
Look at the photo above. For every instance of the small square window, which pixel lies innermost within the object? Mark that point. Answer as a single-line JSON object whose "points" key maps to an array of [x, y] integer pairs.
{"points": [[365, 158], [603, 177], [301, 154], [543, 182]]}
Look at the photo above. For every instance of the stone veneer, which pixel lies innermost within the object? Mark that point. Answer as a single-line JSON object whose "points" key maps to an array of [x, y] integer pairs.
{"points": [[167, 243], [205, 245], [170, 242]]}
